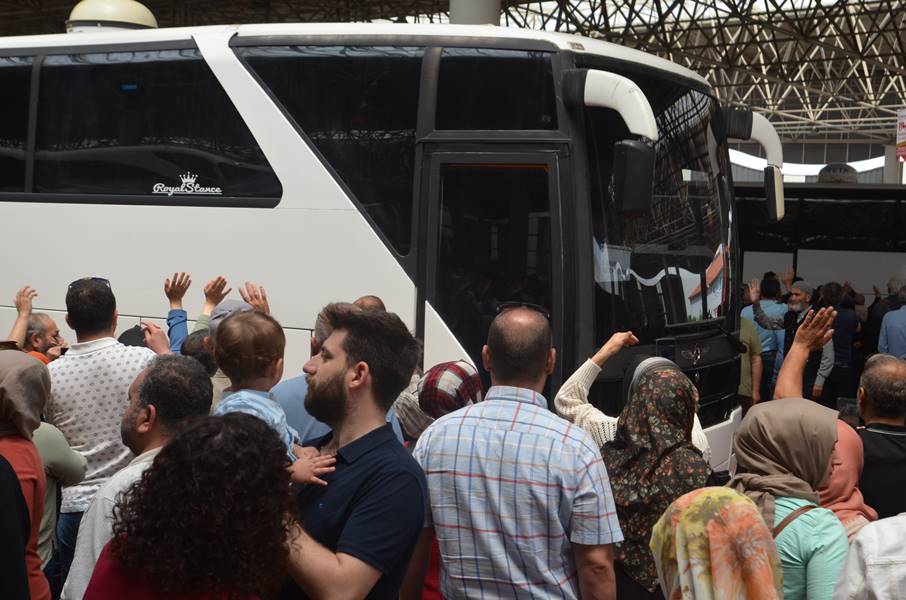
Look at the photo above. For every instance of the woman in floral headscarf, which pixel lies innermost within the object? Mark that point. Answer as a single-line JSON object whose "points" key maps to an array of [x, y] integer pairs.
{"points": [[651, 462], [842, 494], [712, 544]]}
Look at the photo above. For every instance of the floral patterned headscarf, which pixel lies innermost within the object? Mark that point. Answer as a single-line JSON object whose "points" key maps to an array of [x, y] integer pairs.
{"points": [[713, 544], [652, 461]]}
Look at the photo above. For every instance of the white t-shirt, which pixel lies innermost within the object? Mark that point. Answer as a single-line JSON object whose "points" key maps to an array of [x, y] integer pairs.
{"points": [[90, 391], [96, 527], [876, 565]]}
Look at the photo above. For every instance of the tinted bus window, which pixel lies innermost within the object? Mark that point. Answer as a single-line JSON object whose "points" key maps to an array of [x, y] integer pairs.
{"points": [[823, 224], [143, 123], [480, 88], [358, 106], [495, 245], [15, 81]]}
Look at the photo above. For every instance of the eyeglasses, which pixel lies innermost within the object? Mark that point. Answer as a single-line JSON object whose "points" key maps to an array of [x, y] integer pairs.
{"points": [[98, 279], [505, 306]]}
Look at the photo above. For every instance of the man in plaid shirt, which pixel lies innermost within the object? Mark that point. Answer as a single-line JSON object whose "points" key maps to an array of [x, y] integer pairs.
{"points": [[520, 501]]}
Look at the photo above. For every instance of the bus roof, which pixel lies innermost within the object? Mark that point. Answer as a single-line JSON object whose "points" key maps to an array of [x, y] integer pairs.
{"points": [[396, 31]]}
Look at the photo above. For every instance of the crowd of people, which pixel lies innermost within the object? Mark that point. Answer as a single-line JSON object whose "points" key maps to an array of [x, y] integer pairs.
{"points": [[773, 308], [183, 465]]}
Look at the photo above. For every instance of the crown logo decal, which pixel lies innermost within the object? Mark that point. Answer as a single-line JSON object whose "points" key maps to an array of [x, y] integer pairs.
{"points": [[187, 187]]}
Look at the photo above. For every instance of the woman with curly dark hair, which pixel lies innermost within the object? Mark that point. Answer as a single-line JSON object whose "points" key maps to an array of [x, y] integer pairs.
{"points": [[209, 519]]}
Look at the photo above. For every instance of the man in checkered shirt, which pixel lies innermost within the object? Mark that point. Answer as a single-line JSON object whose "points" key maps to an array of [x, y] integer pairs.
{"points": [[520, 501]]}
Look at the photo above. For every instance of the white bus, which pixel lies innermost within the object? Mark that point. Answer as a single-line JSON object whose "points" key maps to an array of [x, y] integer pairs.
{"points": [[443, 168]]}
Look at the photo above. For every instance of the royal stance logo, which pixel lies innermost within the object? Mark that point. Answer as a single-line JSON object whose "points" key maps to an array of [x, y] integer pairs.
{"points": [[188, 187]]}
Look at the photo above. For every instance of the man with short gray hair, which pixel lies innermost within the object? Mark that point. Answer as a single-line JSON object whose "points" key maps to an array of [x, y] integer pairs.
{"points": [[893, 329], [820, 363], [36, 333]]}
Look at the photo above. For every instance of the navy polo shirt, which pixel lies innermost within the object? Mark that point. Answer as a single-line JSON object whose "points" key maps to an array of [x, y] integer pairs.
{"points": [[373, 508]]}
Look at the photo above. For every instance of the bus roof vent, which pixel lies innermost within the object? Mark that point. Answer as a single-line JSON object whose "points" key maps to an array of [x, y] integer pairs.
{"points": [[109, 15]]}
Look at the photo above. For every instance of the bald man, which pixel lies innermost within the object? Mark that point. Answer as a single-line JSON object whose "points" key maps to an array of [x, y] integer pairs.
{"points": [[516, 462], [370, 302], [882, 405]]}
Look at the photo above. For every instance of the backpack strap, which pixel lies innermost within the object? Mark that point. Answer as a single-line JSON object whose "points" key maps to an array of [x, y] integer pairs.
{"points": [[792, 517]]}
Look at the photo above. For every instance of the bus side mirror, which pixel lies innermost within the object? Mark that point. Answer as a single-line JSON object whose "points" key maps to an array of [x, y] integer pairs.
{"points": [[773, 192], [633, 176], [743, 124], [633, 159]]}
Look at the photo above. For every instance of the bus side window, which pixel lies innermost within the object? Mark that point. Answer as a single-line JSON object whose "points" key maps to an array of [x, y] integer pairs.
{"points": [[143, 123], [495, 89], [15, 82], [358, 106]]}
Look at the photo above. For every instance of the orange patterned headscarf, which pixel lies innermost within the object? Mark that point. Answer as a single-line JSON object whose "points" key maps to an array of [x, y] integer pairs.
{"points": [[712, 544]]}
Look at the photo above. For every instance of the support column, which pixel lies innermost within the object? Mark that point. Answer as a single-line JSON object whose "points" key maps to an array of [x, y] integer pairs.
{"points": [[475, 12], [893, 170]]}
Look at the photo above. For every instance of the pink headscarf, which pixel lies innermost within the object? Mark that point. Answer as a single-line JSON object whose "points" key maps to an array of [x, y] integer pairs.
{"points": [[842, 494]]}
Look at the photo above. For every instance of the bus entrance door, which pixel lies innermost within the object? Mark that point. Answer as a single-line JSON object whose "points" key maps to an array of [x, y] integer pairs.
{"points": [[493, 236]]}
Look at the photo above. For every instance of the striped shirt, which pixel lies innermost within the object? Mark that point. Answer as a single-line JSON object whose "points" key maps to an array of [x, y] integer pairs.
{"points": [[511, 486]]}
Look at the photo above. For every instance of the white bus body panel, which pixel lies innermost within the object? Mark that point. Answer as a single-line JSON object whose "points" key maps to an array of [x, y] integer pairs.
{"points": [[441, 344], [304, 258], [720, 438], [291, 158]]}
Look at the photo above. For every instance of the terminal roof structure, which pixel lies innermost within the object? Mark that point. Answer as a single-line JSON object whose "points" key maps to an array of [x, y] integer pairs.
{"points": [[832, 70]]}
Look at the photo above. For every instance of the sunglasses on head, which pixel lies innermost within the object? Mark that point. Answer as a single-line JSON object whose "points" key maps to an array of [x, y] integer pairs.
{"points": [[505, 306], [98, 279]]}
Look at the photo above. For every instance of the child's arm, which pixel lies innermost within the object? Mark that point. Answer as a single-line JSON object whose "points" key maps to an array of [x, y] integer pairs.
{"points": [[309, 465]]}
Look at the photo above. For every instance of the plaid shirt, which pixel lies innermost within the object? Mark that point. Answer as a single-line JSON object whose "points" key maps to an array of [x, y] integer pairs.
{"points": [[511, 485]]}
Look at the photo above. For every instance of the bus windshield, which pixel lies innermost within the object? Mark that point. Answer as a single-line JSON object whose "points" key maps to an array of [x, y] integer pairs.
{"points": [[667, 265]]}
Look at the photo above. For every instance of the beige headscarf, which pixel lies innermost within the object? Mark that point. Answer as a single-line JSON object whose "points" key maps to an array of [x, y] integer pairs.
{"points": [[783, 448], [24, 390]]}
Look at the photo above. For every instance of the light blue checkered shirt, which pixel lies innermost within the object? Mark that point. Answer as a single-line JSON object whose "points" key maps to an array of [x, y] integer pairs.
{"points": [[511, 485], [261, 405]]}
